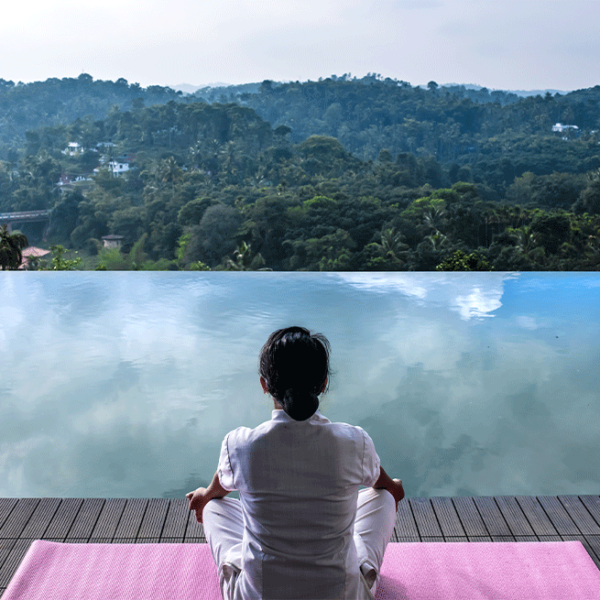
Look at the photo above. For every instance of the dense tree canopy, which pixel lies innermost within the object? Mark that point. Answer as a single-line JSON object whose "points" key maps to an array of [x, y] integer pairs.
{"points": [[340, 174]]}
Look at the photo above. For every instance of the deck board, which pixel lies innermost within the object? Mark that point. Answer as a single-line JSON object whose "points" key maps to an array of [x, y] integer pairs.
{"points": [[63, 519], [580, 515], [514, 516], [41, 518], [559, 516], [448, 517], [109, 519], [168, 521], [131, 519], [536, 516], [469, 516], [84, 523], [425, 518], [491, 515]]}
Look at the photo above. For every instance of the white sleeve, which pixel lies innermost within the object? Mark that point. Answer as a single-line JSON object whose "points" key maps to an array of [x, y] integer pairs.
{"points": [[225, 469], [370, 463]]}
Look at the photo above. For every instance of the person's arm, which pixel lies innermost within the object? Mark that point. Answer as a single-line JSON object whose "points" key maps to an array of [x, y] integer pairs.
{"points": [[202, 496], [393, 486]]}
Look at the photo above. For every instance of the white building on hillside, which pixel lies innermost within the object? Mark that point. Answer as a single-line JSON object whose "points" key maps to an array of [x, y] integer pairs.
{"points": [[560, 128], [118, 167]]}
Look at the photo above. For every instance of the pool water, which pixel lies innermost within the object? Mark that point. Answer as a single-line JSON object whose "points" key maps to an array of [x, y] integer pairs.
{"points": [[124, 384]]}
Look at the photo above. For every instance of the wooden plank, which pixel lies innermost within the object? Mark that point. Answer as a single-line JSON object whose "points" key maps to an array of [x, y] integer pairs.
{"points": [[405, 526], [432, 538], [425, 518], [514, 517], [469, 516], [18, 518], [194, 529], [63, 518], [503, 538], [592, 503], [447, 517], [580, 515], [177, 518], [6, 547], [456, 539], [41, 518], [154, 518], [141, 540], [491, 515], [132, 517], [86, 519], [594, 544], [480, 538], [6, 507], [536, 516], [109, 518], [13, 560], [558, 515]]}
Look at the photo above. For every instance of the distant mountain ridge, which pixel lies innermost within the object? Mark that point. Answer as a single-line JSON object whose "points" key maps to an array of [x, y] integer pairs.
{"points": [[523, 93], [188, 88]]}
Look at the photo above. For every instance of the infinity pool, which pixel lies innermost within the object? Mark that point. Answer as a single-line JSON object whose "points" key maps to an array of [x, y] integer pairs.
{"points": [[124, 384]]}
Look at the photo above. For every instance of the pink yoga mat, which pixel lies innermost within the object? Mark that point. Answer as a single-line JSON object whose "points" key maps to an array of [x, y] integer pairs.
{"points": [[418, 571]]}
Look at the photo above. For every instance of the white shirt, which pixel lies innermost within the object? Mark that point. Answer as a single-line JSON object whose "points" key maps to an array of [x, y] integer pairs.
{"points": [[298, 484]]}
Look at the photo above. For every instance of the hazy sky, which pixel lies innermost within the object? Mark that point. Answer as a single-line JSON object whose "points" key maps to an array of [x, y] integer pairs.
{"points": [[513, 44]]}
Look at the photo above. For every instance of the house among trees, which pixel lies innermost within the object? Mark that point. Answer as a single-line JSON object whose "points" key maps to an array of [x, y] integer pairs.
{"points": [[73, 149], [115, 167], [566, 130], [32, 253], [118, 167], [112, 241]]}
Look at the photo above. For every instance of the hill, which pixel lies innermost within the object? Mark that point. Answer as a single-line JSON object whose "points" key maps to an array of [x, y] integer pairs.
{"points": [[330, 175]]}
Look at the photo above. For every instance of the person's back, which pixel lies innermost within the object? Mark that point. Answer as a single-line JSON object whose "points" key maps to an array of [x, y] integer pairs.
{"points": [[298, 484], [301, 528]]}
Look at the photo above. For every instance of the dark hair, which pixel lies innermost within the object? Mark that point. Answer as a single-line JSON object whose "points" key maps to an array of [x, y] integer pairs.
{"points": [[295, 365]]}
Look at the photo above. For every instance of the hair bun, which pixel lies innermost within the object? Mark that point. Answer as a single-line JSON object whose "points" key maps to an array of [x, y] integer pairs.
{"points": [[300, 404]]}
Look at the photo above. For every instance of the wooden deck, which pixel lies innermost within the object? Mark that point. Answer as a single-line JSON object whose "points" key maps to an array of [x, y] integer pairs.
{"points": [[158, 520]]}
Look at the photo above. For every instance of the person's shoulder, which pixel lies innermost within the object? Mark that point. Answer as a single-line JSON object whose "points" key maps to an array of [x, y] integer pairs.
{"points": [[348, 429], [244, 433]]}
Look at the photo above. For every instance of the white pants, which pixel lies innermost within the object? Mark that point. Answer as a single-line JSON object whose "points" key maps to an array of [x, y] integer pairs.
{"points": [[375, 519]]}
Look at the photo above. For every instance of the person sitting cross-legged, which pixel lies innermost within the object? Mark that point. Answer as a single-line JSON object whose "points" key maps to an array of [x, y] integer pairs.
{"points": [[301, 528]]}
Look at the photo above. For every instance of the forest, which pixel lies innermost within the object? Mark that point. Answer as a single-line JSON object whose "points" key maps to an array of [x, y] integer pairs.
{"points": [[337, 174]]}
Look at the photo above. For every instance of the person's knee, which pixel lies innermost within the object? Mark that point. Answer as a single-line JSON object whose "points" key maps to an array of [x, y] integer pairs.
{"points": [[212, 507], [384, 496]]}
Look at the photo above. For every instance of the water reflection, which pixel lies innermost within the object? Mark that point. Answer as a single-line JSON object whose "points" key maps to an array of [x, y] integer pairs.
{"points": [[124, 384]]}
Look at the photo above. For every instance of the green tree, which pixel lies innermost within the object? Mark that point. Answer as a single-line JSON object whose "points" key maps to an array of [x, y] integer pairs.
{"points": [[460, 261], [244, 261], [11, 248], [59, 262]]}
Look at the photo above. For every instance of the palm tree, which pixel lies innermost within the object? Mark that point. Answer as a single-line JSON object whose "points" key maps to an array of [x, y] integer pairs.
{"points": [[11, 246], [170, 172], [243, 260], [525, 239], [438, 240], [391, 243], [434, 217]]}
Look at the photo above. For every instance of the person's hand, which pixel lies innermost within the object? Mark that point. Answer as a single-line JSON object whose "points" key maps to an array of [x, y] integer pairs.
{"points": [[398, 492], [198, 500]]}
